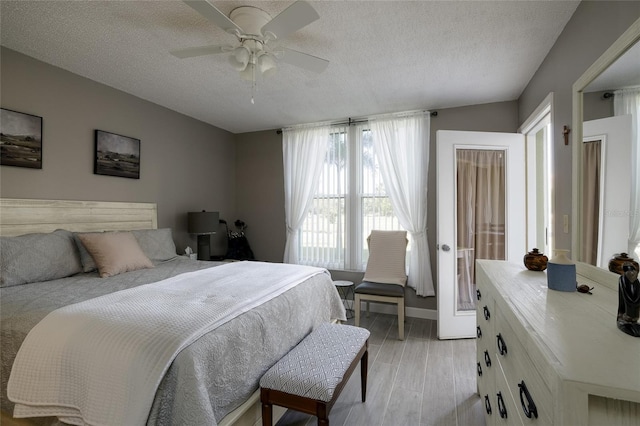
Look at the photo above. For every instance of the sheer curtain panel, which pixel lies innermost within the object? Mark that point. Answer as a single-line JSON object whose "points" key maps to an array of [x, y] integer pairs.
{"points": [[303, 154], [401, 144], [627, 101]]}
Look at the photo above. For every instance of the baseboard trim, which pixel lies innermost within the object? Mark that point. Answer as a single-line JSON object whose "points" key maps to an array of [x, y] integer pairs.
{"points": [[386, 308]]}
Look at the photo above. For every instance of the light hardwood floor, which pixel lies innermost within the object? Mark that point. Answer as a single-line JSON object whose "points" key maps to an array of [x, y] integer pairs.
{"points": [[418, 381]]}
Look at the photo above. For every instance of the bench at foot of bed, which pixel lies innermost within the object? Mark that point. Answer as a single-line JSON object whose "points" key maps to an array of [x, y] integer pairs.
{"points": [[311, 376]]}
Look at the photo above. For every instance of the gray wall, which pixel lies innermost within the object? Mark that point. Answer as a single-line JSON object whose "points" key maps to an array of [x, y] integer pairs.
{"points": [[186, 165], [595, 106], [594, 26], [260, 183]]}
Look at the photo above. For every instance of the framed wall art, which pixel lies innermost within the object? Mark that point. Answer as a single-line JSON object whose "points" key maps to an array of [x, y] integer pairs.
{"points": [[20, 139], [117, 155]]}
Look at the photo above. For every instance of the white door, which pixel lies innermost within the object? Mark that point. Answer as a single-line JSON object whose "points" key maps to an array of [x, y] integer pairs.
{"points": [[481, 215], [614, 135]]}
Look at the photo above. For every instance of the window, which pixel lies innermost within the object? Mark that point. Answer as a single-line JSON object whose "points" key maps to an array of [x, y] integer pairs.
{"points": [[349, 202]]}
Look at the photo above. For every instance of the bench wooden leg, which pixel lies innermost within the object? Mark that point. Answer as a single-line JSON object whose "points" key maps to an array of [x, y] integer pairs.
{"points": [[323, 414], [267, 413], [364, 361], [267, 410]]}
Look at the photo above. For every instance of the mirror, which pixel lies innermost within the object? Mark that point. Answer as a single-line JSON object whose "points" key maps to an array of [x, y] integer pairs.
{"points": [[594, 238]]}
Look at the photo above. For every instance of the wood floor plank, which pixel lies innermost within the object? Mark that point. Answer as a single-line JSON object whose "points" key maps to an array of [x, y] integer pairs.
{"points": [[438, 405], [380, 384], [404, 408], [413, 364], [391, 351], [420, 328]]}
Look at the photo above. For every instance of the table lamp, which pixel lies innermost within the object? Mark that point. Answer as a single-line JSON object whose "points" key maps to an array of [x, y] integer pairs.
{"points": [[203, 224]]}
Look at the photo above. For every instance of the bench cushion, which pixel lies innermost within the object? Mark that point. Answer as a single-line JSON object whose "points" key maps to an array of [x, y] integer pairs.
{"points": [[317, 365]]}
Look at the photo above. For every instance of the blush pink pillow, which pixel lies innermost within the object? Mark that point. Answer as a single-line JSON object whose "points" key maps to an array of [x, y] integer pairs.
{"points": [[115, 252]]}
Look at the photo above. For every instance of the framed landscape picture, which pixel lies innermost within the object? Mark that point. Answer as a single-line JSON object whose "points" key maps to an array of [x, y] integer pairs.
{"points": [[117, 155], [20, 139]]}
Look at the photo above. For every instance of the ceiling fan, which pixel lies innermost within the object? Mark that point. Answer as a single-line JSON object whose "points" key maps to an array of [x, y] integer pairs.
{"points": [[257, 51]]}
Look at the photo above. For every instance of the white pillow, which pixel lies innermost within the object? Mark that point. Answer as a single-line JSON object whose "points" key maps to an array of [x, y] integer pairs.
{"points": [[115, 252]]}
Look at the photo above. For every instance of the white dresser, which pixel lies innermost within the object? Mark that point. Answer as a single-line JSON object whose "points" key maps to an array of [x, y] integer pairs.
{"points": [[548, 357]]}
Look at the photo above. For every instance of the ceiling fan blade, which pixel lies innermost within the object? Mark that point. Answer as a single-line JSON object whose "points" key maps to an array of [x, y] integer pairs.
{"points": [[303, 60], [191, 52], [294, 17], [212, 13]]}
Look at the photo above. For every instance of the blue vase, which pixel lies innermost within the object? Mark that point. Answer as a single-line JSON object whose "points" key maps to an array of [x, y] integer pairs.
{"points": [[561, 272]]}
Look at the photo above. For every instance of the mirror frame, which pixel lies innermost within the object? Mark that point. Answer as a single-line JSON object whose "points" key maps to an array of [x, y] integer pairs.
{"points": [[617, 49]]}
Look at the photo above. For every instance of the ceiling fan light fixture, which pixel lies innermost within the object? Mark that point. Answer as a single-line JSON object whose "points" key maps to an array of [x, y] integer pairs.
{"points": [[267, 65], [240, 58], [248, 72]]}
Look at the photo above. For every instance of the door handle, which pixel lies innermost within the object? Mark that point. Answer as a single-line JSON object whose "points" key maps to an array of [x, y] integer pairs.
{"points": [[445, 247]]}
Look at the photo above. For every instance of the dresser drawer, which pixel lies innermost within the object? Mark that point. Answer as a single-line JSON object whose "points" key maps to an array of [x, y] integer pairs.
{"points": [[504, 408], [520, 370], [484, 322]]}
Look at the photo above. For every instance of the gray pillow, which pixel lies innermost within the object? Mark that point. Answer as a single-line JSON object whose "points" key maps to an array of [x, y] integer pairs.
{"points": [[157, 244], [38, 257]]}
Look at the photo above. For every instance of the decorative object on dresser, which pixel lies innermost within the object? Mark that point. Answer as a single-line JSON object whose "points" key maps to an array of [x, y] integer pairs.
{"points": [[535, 261], [203, 224], [552, 357], [618, 260], [629, 300], [561, 273], [116, 155], [20, 139]]}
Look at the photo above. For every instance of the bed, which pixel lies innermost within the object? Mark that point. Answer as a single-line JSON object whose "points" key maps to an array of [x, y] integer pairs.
{"points": [[214, 379]]}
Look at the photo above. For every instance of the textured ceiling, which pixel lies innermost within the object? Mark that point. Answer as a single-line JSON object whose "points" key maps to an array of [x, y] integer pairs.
{"points": [[385, 56]]}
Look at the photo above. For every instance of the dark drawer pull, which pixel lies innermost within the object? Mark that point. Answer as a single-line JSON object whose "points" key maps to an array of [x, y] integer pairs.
{"points": [[502, 347], [487, 314], [501, 408], [478, 332], [487, 358], [530, 407], [487, 404], [478, 294], [479, 370]]}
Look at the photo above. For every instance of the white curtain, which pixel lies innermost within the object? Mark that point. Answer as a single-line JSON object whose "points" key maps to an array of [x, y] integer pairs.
{"points": [[402, 146], [303, 153], [627, 101]]}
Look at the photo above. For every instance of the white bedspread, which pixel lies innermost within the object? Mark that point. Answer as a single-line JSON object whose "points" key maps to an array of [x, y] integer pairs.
{"points": [[99, 362]]}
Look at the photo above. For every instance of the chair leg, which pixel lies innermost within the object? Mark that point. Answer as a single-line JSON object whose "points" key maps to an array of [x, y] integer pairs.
{"points": [[364, 366], [357, 310], [367, 309], [401, 319]]}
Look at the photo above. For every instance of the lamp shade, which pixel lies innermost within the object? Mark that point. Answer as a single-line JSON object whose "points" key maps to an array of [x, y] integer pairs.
{"points": [[240, 58], [267, 65], [203, 222], [247, 73]]}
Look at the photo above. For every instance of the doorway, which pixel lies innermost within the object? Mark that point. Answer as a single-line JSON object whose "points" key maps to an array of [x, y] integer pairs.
{"points": [[481, 215]]}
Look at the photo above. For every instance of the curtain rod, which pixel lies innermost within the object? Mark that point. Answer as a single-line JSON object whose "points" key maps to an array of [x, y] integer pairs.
{"points": [[351, 121]]}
